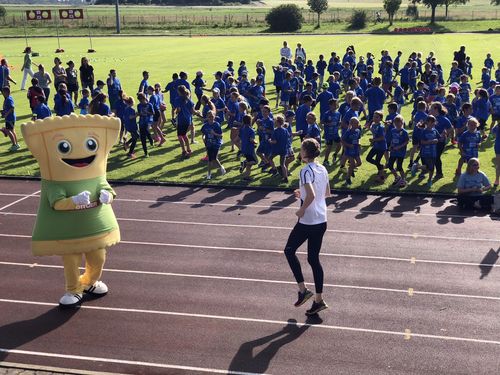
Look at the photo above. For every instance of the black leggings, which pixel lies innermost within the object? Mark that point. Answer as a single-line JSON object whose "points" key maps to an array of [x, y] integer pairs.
{"points": [[314, 236], [132, 141], [378, 156], [439, 152], [145, 134]]}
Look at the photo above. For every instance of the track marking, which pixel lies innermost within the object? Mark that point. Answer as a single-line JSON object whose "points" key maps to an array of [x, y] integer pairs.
{"points": [[275, 207], [19, 200], [267, 321], [124, 362], [228, 225], [335, 255], [409, 291]]}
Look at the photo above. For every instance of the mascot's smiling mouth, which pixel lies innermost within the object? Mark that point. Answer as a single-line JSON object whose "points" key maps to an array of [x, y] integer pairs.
{"points": [[79, 163]]}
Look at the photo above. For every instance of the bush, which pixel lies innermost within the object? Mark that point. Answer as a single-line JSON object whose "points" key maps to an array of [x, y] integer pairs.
{"points": [[412, 12], [358, 20], [286, 17], [3, 12]]}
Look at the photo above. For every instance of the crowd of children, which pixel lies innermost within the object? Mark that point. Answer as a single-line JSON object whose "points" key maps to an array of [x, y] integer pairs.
{"points": [[345, 88]]}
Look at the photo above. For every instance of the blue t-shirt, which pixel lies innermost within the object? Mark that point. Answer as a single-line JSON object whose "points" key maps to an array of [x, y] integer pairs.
{"points": [[321, 66], [143, 86], [219, 104], [350, 113], [280, 135], [323, 99], [314, 132], [198, 84], [405, 75], [470, 143], [308, 72], [481, 108], [399, 97], [286, 91], [352, 137], [495, 104], [7, 105], [211, 140], [469, 181], [398, 137], [300, 115], [113, 89], [65, 108], [429, 150], [145, 111], [130, 119], [103, 109], [442, 124], [155, 102], [334, 88], [331, 121], [278, 77], [172, 90], [376, 98], [464, 92], [221, 85], [84, 106], [247, 134], [378, 130], [42, 111], [346, 74], [185, 115]]}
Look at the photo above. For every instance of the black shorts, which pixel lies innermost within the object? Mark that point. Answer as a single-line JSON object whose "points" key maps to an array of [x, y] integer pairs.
{"points": [[429, 162], [405, 86], [399, 163], [156, 116], [212, 153], [335, 139], [293, 99], [182, 129], [73, 87], [482, 124], [9, 125], [250, 158]]}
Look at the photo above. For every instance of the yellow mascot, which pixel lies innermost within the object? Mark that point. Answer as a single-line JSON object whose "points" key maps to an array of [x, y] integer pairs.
{"points": [[75, 218]]}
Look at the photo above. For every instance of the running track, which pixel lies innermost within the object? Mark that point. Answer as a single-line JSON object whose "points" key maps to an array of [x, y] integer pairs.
{"points": [[200, 285]]}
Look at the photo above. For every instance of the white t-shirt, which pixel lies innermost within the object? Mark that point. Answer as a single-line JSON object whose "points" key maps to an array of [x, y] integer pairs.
{"points": [[317, 176], [300, 52], [286, 52]]}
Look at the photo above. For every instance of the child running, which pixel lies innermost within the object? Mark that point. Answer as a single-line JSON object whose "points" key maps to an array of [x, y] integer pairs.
{"points": [[247, 137], [350, 142], [212, 136], [314, 188], [9, 114], [398, 141]]}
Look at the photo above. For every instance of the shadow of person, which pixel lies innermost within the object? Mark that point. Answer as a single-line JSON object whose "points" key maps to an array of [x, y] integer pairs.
{"points": [[488, 262], [16, 334], [246, 360]]}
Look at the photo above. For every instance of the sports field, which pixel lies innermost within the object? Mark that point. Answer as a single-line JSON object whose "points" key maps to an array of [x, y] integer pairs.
{"points": [[163, 56]]}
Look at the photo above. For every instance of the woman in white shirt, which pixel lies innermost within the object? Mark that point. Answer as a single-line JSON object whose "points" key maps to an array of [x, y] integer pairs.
{"points": [[311, 226], [285, 51]]}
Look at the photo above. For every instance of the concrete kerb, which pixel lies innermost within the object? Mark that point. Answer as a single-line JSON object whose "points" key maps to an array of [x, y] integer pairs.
{"points": [[27, 368], [258, 188]]}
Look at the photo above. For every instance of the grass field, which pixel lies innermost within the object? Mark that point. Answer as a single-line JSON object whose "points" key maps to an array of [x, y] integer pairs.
{"points": [[162, 56]]}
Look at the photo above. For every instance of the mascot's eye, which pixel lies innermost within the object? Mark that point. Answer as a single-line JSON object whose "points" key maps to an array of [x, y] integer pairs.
{"points": [[64, 147], [91, 144]]}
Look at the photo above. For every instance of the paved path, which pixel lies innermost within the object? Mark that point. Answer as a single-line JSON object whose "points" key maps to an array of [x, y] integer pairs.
{"points": [[200, 285]]}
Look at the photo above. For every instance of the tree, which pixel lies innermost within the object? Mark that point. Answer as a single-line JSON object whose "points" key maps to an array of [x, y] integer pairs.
{"points": [[447, 3], [495, 2], [286, 17], [318, 6], [391, 7], [430, 4]]}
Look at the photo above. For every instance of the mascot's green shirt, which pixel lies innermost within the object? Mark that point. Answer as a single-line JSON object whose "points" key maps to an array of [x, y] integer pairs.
{"points": [[87, 228]]}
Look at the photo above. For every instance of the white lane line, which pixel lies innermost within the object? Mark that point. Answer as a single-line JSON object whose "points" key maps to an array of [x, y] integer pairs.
{"points": [[123, 362], [267, 227], [19, 200], [267, 321], [252, 280], [275, 207], [411, 260]]}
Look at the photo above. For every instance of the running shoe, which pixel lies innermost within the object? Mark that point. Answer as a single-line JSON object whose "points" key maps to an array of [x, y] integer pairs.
{"points": [[303, 297], [316, 308], [70, 300], [348, 182], [243, 165], [98, 289], [125, 146], [429, 184], [209, 176]]}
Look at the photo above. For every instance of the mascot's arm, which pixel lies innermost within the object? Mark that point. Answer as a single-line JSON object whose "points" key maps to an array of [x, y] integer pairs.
{"points": [[107, 187], [59, 200], [65, 204]]}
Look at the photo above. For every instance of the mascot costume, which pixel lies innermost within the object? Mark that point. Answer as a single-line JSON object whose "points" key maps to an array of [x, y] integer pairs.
{"points": [[75, 218]]}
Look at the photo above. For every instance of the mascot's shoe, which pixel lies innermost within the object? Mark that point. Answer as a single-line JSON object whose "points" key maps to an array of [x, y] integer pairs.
{"points": [[70, 300], [98, 289]]}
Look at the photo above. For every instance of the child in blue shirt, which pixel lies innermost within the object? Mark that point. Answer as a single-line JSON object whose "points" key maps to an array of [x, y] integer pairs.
{"points": [[171, 88], [455, 73], [320, 69], [84, 102], [399, 95], [481, 108], [247, 138], [279, 142], [324, 99], [308, 70], [469, 142], [399, 140], [286, 91], [495, 132], [488, 63], [130, 120], [312, 127], [41, 109], [145, 113], [143, 86], [212, 136], [429, 138], [378, 145], [346, 75], [418, 126], [330, 121], [220, 105], [301, 116], [333, 85], [265, 127], [375, 96], [63, 106], [350, 142], [198, 83]]}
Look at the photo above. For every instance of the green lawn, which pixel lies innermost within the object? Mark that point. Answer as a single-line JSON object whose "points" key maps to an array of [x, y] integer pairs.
{"points": [[162, 56]]}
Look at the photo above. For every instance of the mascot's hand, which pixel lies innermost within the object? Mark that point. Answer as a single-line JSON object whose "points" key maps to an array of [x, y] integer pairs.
{"points": [[82, 199], [105, 197]]}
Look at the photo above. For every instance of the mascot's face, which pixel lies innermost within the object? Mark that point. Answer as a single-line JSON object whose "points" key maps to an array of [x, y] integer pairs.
{"points": [[72, 148]]}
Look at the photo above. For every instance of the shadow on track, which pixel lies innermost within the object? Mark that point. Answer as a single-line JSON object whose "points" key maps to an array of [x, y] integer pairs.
{"points": [[488, 262], [246, 360], [19, 333]]}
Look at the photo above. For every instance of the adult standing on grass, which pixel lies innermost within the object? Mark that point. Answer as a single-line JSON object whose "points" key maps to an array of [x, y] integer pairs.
{"points": [[26, 67], [314, 188], [86, 74], [59, 73], [44, 81], [300, 52], [285, 51], [471, 186]]}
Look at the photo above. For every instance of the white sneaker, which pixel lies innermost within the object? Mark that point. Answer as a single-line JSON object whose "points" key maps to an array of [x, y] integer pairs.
{"points": [[209, 176], [70, 299], [222, 171], [99, 288]]}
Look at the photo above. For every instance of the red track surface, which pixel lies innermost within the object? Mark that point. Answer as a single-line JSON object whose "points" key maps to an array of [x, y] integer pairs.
{"points": [[199, 284]]}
